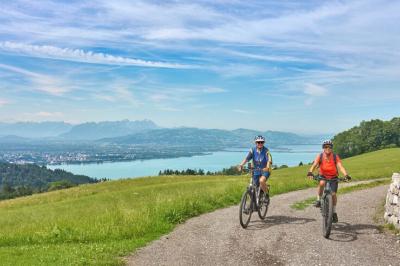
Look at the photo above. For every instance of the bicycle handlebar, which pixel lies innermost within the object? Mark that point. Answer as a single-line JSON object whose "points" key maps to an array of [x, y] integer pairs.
{"points": [[342, 179]]}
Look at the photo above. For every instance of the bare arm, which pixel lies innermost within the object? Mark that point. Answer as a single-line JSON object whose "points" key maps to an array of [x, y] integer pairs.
{"points": [[245, 160], [314, 165], [269, 163], [341, 168]]}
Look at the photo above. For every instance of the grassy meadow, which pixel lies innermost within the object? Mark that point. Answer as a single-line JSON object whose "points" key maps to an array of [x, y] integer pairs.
{"points": [[100, 223]]}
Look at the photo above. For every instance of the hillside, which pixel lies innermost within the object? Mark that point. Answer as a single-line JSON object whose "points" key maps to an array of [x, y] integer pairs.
{"points": [[17, 180], [96, 224], [368, 136]]}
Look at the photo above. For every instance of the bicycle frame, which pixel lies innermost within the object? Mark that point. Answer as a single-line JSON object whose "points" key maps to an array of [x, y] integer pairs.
{"points": [[327, 187], [252, 201], [326, 199], [254, 191]]}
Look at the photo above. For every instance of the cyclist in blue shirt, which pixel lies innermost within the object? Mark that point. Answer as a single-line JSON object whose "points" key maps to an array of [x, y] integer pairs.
{"points": [[262, 162]]}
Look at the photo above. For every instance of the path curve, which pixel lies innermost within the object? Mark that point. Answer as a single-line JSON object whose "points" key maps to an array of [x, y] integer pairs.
{"points": [[286, 237]]}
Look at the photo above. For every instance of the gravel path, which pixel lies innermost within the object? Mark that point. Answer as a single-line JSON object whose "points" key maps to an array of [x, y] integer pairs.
{"points": [[286, 237]]}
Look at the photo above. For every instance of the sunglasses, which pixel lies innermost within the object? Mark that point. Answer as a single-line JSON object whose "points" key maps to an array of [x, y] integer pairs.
{"points": [[260, 142], [330, 147]]}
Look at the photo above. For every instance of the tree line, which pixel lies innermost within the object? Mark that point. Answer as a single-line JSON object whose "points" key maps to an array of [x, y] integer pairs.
{"points": [[225, 171], [368, 136]]}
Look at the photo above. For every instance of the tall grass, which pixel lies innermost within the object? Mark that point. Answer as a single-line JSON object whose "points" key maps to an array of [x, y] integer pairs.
{"points": [[100, 223]]}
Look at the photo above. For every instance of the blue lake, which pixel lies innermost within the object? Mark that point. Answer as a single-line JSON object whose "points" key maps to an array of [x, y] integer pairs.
{"points": [[290, 155]]}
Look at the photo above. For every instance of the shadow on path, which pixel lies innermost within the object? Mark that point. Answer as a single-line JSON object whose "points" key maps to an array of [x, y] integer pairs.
{"points": [[277, 220], [345, 232]]}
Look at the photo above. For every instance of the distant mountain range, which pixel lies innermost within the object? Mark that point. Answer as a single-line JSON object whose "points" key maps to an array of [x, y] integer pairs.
{"points": [[93, 131], [13, 139], [34, 129], [144, 132], [61, 130], [192, 137]]}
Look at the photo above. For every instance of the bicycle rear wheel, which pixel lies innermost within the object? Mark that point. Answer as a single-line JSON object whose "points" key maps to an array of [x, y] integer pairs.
{"points": [[263, 205], [245, 209], [327, 213]]}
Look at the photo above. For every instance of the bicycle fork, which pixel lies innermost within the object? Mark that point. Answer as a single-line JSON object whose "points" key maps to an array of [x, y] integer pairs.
{"points": [[327, 191], [255, 197]]}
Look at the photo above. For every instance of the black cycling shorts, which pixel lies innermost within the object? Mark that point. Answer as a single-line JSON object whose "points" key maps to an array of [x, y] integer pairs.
{"points": [[334, 183]]}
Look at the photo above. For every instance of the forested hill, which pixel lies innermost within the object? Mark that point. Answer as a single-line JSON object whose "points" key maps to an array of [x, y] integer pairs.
{"points": [[18, 180], [368, 136]]}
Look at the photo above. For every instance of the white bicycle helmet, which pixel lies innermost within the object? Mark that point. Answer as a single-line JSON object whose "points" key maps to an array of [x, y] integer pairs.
{"points": [[259, 138], [327, 142]]}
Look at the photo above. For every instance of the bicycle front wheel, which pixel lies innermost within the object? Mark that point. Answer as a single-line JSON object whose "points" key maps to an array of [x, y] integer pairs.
{"points": [[263, 206], [327, 213], [245, 209]]}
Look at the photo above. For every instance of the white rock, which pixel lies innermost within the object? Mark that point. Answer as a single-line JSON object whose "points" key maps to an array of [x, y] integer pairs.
{"points": [[386, 216], [389, 198], [393, 189], [396, 178], [395, 200], [397, 225], [393, 220]]}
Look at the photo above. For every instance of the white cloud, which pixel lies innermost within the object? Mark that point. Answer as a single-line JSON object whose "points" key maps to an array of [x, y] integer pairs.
{"points": [[213, 90], [159, 97], [108, 98], [48, 114], [169, 109], [238, 70], [3, 102], [300, 48], [179, 95], [324, 32], [41, 116], [315, 90], [309, 101], [126, 94], [78, 55], [268, 58], [40, 82], [241, 111]]}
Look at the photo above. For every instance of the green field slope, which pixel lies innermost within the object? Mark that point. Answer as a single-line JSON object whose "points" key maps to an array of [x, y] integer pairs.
{"points": [[100, 223]]}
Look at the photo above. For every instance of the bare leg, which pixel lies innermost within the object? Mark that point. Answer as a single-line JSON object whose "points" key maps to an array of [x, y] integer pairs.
{"points": [[321, 186], [334, 198], [263, 183]]}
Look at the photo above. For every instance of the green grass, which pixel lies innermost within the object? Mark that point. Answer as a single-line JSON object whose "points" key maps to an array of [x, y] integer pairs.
{"points": [[99, 224], [301, 205]]}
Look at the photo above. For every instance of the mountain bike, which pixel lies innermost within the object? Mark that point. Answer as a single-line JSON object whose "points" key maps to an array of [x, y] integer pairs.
{"points": [[327, 203], [253, 199]]}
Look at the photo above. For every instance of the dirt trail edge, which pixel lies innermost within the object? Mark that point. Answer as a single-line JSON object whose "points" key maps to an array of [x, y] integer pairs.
{"points": [[286, 237]]}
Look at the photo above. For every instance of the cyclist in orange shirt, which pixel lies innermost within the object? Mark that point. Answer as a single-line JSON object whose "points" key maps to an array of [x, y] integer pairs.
{"points": [[328, 164]]}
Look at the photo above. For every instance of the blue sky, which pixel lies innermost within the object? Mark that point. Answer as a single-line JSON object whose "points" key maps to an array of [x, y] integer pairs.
{"points": [[300, 66]]}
